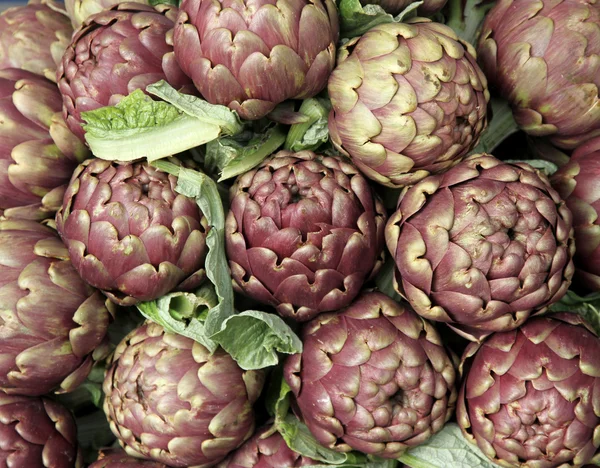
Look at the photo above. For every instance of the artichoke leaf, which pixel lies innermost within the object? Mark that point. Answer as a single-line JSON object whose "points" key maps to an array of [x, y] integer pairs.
{"points": [[139, 127]]}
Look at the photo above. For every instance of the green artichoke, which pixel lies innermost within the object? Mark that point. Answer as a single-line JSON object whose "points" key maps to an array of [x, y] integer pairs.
{"points": [[118, 459], [114, 53], [80, 10], [53, 326], [34, 37], [266, 450], [130, 234], [37, 432], [483, 246], [408, 100], [578, 183], [374, 377], [542, 56], [170, 400], [530, 397], [252, 55], [38, 153], [303, 234]]}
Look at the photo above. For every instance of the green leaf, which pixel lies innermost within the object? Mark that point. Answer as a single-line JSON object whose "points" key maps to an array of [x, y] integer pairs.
{"points": [[240, 158], [314, 132], [465, 17], [385, 280], [183, 313], [278, 395], [587, 307], [501, 125], [253, 339], [447, 449], [356, 19], [164, 2], [93, 433], [193, 106], [204, 190], [139, 127], [300, 440]]}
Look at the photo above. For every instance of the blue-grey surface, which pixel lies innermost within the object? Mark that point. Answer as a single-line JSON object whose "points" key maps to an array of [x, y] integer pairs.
{"points": [[4, 4]]}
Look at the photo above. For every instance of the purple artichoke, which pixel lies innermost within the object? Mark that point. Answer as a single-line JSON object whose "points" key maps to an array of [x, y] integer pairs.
{"points": [[542, 56], [531, 397], [266, 451], [34, 37], [53, 325], [408, 100], [114, 53], [483, 246], [80, 10], [130, 234], [252, 55], [578, 183], [170, 400], [303, 234], [374, 377], [38, 153], [118, 459], [37, 432]]}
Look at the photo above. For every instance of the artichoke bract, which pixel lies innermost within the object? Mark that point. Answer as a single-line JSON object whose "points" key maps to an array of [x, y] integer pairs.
{"points": [[542, 56], [266, 451], [80, 10], [483, 246], [53, 325], [530, 397], [38, 153], [37, 432], [408, 100], [116, 458], [374, 377], [130, 234], [170, 400], [578, 182], [252, 55], [114, 53], [34, 37], [303, 233]]}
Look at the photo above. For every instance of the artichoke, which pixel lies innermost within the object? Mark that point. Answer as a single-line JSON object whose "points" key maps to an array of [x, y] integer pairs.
{"points": [[118, 459], [169, 399], [483, 246], [81, 10], [578, 183], [374, 377], [130, 234], [266, 450], [114, 53], [303, 234], [53, 325], [252, 55], [37, 432], [38, 153], [531, 397], [34, 37], [408, 100], [542, 56]]}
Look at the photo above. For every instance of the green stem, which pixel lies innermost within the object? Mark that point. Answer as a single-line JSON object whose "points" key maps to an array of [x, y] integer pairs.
{"points": [[501, 126]]}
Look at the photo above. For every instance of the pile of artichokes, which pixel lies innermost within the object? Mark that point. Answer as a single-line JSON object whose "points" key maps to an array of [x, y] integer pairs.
{"points": [[284, 233]]}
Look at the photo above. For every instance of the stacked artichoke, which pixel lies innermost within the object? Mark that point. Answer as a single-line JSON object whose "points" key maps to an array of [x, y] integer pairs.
{"points": [[259, 234]]}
